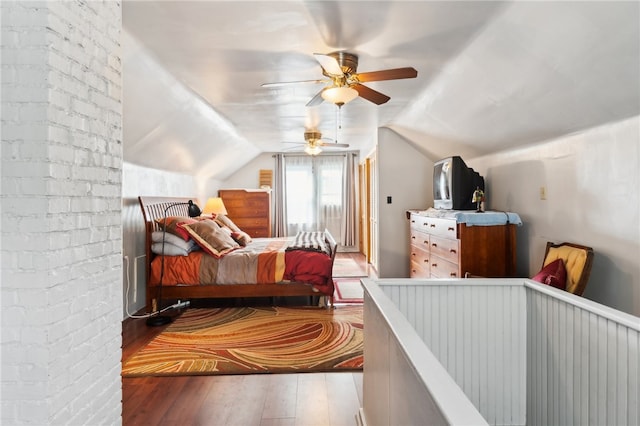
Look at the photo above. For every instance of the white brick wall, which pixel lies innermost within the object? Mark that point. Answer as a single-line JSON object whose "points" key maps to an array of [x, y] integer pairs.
{"points": [[61, 231]]}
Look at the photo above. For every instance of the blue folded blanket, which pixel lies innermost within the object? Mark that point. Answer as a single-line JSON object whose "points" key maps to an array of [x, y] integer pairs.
{"points": [[471, 218]]}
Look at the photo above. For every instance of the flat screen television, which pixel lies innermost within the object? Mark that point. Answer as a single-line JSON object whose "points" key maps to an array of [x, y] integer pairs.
{"points": [[454, 183]]}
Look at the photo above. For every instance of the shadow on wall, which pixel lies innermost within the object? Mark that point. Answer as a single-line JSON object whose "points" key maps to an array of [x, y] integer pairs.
{"points": [[609, 281], [514, 188]]}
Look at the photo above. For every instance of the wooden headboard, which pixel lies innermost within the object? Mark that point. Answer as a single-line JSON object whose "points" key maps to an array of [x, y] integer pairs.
{"points": [[153, 208]]}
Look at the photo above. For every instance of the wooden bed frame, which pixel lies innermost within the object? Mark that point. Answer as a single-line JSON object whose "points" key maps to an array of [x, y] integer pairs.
{"points": [[153, 208]]}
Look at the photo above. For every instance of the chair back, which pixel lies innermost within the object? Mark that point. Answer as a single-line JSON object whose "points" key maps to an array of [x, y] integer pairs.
{"points": [[577, 261]]}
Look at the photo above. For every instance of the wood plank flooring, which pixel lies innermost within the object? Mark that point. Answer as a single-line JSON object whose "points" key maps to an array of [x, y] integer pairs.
{"points": [[308, 399]]}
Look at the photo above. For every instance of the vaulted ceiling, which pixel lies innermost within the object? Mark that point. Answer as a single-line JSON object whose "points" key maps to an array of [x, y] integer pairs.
{"points": [[491, 75]]}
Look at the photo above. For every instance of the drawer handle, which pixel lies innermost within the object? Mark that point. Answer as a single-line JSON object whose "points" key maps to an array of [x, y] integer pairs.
{"points": [[426, 261], [413, 221], [425, 242], [452, 251], [435, 265], [449, 229], [434, 245], [413, 254], [413, 237], [433, 225], [453, 274]]}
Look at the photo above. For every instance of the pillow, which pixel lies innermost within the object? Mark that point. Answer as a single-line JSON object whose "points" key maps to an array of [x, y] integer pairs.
{"points": [[241, 238], [188, 246], [173, 225], [169, 249], [213, 240], [223, 220], [554, 274]]}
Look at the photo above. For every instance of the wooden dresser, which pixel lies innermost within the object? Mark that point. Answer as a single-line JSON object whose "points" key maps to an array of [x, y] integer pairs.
{"points": [[443, 247], [250, 209]]}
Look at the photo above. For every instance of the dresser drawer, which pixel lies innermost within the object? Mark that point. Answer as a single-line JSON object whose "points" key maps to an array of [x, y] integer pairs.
{"points": [[251, 222], [419, 239], [445, 248], [257, 232], [418, 222], [446, 228], [419, 270], [441, 268], [419, 262]]}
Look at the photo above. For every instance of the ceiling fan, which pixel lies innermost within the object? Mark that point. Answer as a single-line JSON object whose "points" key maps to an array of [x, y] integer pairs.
{"points": [[314, 142], [345, 84]]}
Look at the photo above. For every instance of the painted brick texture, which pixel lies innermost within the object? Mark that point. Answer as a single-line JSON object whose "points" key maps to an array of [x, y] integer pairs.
{"points": [[61, 202]]}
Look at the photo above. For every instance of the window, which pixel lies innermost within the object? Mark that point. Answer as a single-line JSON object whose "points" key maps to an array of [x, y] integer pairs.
{"points": [[314, 196]]}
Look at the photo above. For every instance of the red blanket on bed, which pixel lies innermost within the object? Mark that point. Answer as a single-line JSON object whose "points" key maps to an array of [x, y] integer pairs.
{"points": [[264, 261]]}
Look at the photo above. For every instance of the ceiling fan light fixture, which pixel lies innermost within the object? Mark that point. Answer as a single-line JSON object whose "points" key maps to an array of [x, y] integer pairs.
{"points": [[339, 95], [312, 149]]}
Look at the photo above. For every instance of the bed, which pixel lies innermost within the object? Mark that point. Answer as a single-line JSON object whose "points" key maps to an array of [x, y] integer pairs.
{"points": [[264, 267]]}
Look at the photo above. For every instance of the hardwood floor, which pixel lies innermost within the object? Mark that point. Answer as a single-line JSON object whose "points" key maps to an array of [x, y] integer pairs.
{"points": [[308, 399]]}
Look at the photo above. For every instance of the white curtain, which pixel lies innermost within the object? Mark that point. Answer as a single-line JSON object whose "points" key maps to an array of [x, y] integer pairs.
{"points": [[313, 188], [349, 225], [314, 193], [279, 199]]}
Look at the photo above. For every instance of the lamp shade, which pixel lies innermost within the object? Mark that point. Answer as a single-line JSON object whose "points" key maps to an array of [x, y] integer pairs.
{"points": [[194, 210], [339, 95], [214, 205]]}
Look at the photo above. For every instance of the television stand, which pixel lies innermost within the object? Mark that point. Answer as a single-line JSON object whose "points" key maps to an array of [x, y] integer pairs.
{"points": [[452, 243]]}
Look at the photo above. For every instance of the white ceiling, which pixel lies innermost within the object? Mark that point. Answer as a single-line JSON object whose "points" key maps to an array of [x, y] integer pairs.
{"points": [[491, 75]]}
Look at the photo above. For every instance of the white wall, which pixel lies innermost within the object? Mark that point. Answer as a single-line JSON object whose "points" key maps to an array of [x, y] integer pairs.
{"points": [[247, 177], [61, 213], [592, 185], [406, 175]]}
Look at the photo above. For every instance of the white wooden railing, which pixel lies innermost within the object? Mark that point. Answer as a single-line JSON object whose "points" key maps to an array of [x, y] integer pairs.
{"points": [[519, 352]]}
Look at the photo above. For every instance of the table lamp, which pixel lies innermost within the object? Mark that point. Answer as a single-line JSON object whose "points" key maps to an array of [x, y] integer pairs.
{"points": [[214, 205]]}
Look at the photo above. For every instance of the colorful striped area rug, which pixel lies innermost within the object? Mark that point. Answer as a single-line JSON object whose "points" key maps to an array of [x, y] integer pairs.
{"points": [[249, 340]]}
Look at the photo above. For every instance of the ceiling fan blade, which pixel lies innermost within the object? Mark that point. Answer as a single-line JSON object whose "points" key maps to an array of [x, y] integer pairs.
{"points": [[390, 74], [316, 100], [284, 83], [334, 144], [371, 95], [329, 64]]}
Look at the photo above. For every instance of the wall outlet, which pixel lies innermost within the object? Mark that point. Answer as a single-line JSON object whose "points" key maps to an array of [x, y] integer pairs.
{"points": [[543, 193]]}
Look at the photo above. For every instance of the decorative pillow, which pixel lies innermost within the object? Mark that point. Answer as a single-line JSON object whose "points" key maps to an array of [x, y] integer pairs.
{"points": [[188, 246], [554, 274], [213, 240], [207, 216], [241, 238], [223, 220], [173, 225]]}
